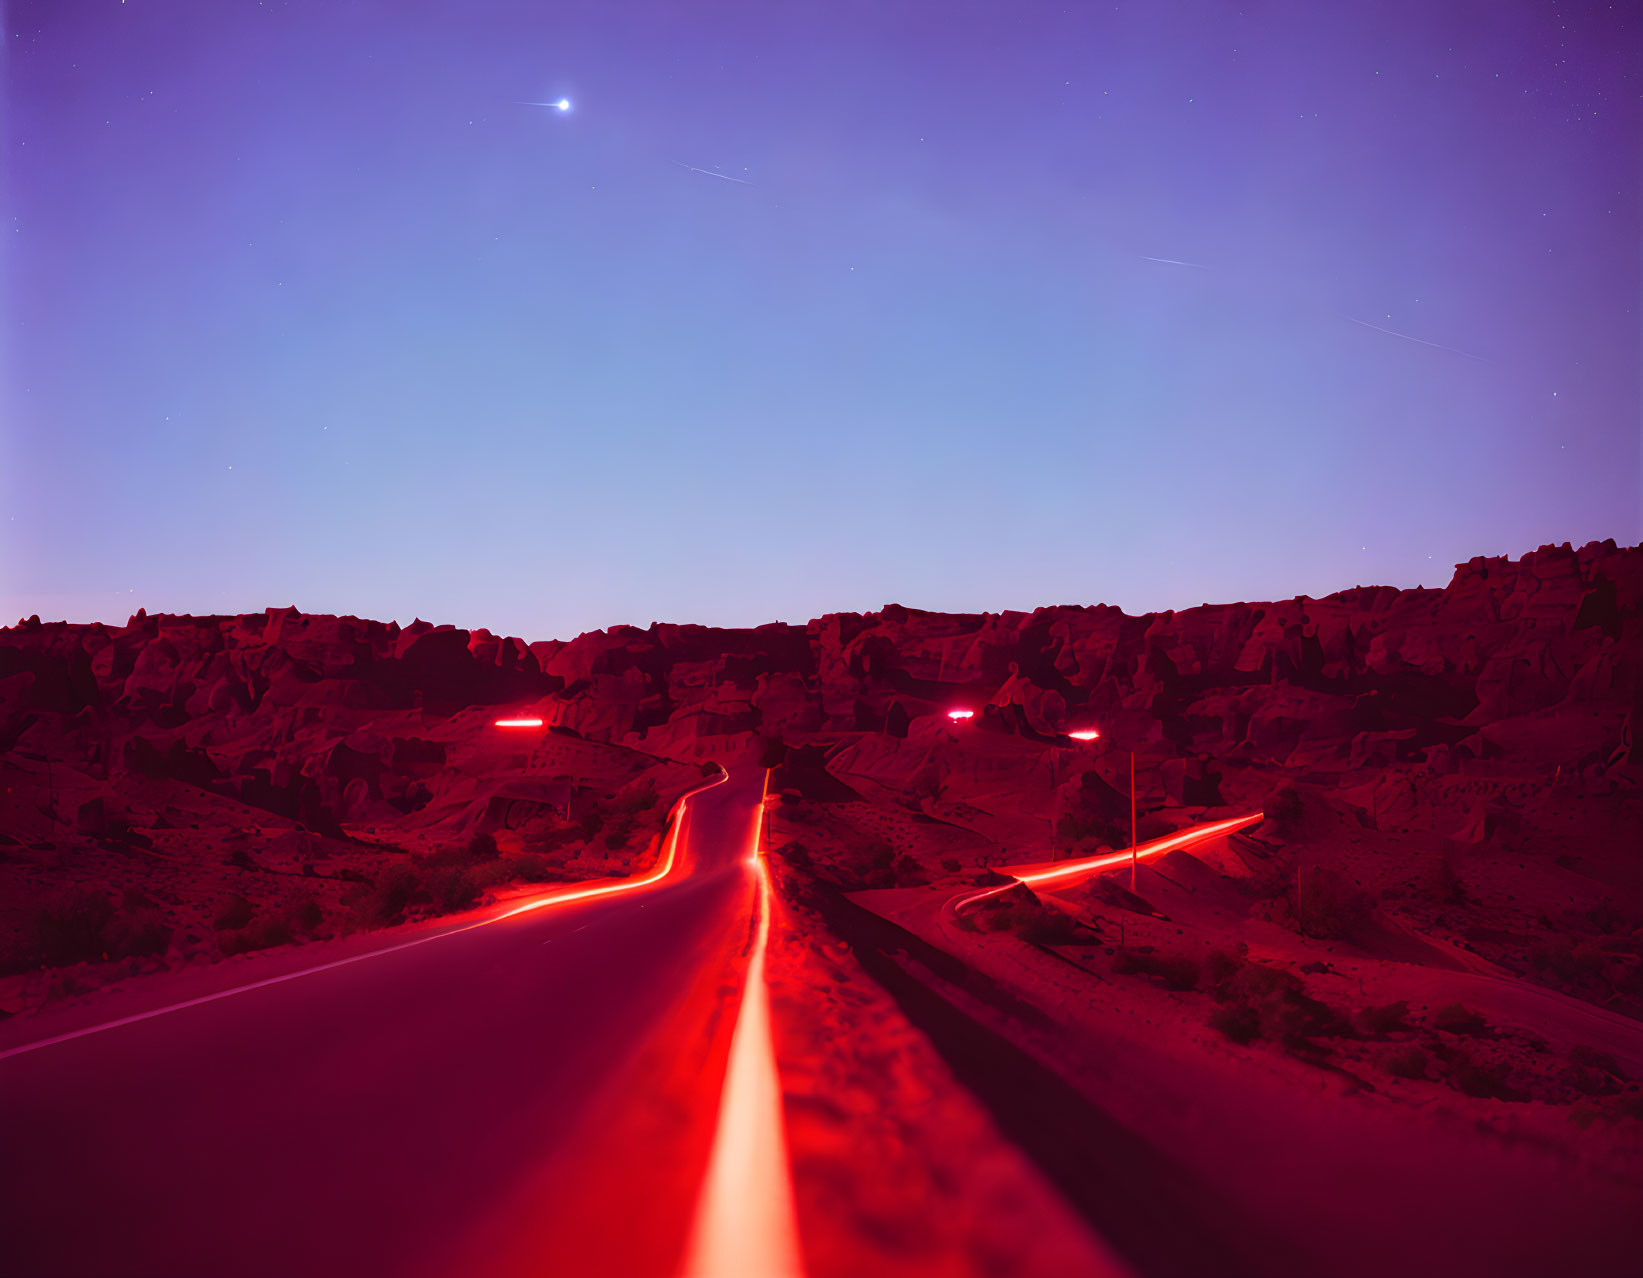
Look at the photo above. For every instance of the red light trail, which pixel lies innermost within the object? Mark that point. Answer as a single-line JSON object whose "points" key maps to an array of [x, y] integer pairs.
{"points": [[519, 723], [664, 867], [745, 1225], [958, 716], [1030, 875]]}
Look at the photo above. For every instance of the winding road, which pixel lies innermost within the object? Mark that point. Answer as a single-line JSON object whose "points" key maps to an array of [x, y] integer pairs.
{"points": [[458, 1101]]}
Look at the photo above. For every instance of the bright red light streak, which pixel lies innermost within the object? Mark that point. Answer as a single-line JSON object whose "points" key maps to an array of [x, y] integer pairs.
{"points": [[664, 867], [1072, 869], [1084, 734], [956, 715], [745, 1225], [519, 723]]}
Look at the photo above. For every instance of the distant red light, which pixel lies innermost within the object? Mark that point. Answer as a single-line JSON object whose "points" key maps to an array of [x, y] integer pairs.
{"points": [[1084, 734], [519, 723], [958, 716]]}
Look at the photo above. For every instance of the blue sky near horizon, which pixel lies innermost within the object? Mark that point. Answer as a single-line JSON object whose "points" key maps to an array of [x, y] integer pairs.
{"points": [[1009, 305]]}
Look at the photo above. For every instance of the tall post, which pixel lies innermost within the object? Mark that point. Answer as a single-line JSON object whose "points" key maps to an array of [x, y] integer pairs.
{"points": [[764, 809], [1134, 856]]}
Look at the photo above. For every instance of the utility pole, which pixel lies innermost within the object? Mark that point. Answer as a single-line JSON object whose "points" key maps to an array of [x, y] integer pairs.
{"points": [[764, 808], [1134, 856]]}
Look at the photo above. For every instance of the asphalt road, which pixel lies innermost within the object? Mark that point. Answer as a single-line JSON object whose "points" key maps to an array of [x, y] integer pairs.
{"points": [[367, 1118]]}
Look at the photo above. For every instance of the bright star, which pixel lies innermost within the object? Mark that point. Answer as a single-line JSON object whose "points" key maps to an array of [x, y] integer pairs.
{"points": [[563, 104]]}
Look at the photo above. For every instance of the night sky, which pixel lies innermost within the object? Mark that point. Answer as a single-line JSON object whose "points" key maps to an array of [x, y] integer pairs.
{"points": [[1007, 305]]}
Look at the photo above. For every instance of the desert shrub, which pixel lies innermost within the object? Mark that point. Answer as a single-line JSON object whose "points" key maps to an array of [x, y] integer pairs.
{"points": [[1238, 1021], [261, 935], [619, 831], [1574, 965], [1294, 1017], [387, 899], [532, 867], [1020, 912], [1283, 805], [1075, 831], [1457, 1018], [1257, 981], [1048, 926], [639, 798], [1590, 1082], [69, 925], [452, 888], [1327, 905], [1595, 1058], [1405, 1062], [1486, 1082], [1219, 966], [304, 914], [709, 768], [1604, 917], [482, 847], [1177, 971], [592, 820], [1388, 1018], [1279, 1001], [1629, 1105], [909, 873], [1450, 888], [232, 912], [138, 931], [795, 854], [1593, 1072], [950, 865]]}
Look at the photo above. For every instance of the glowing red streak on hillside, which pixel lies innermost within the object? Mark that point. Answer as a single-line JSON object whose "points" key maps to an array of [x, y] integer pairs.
{"points": [[1087, 865], [519, 723], [1084, 734], [958, 715]]}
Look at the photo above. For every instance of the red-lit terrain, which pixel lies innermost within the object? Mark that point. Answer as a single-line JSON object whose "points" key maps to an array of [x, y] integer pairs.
{"points": [[1393, 1021]]}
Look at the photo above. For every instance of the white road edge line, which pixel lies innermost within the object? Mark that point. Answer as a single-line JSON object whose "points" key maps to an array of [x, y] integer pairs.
{"points": [[664, 866]]}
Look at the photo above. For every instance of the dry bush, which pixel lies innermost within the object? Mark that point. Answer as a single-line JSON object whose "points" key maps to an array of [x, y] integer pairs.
{"points": [[1327, 905], [1177, 971], [83, 925], [1280, 1006], [1219, 965], [1457, 1018], [1019, 912], [1238, 1021], [387, 898], [1378, 1022], [1593, 1072], [1283, 805], [532, 867], [451, 889], [68, 926], [1408, 1061], [263, 934], [231, 912], [1479, 1079]]}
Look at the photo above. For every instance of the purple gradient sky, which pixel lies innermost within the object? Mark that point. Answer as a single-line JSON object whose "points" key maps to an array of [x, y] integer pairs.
{"points": [[301, 307]]}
